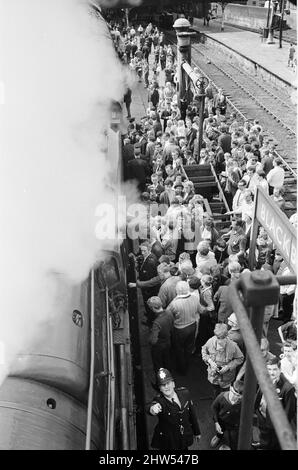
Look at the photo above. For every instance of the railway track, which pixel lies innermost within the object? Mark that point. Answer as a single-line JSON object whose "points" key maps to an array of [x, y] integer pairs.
{"points": [[251, 99]]}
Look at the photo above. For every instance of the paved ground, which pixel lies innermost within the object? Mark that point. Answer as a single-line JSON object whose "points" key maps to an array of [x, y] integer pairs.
{"points": [[269, 56], [196, 378]]}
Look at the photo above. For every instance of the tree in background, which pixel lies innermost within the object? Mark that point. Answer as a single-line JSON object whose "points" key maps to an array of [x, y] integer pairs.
{"points": [[223, 5]]}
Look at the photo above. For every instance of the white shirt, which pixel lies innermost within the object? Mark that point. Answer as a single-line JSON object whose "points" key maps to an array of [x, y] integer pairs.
{"points": [[264, 185], [206, 234], [276, 177], [247, 214], [238, 199], [289, 369]]}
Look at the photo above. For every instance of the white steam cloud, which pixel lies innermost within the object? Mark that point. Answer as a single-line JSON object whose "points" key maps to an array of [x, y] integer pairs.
{"points": [[58, 74]]}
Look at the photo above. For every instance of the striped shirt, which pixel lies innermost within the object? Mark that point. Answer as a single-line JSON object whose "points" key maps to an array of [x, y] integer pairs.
{"points": [[186, 310]]}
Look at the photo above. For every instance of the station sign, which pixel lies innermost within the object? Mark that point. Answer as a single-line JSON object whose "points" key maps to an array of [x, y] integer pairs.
{"points": [[278, 227]]}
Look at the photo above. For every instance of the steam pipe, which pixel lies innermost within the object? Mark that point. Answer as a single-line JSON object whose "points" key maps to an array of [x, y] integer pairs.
{"points": [[123, 399], [112, 383], [108, 373]]}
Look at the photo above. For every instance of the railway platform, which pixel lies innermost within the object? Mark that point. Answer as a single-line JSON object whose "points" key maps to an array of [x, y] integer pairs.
{"points": [[196, 378], [251, 46]]}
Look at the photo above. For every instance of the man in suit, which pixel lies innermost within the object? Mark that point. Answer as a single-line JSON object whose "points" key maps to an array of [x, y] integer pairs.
{"points": [[148, 270], [127, 155], [137, 168], [177, 421], [160, 336], [224, 140], [287, 397], [127, 100]]}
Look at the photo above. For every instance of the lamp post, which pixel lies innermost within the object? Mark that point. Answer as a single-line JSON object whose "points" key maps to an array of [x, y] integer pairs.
{"points": [[181, 27], [282, 10], [202, 82], [271, 15]]}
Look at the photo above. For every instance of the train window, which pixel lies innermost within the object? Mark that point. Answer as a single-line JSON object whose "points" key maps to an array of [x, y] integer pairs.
{"points": [[77, 318], [51, 403], [110, 272]]}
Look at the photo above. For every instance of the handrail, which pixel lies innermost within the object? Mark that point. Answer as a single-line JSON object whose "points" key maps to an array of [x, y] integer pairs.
{"points": [[220, 189], [111, 379], [112, 385], [184, 173], [91, 380], [108, 372], [277, 413]]}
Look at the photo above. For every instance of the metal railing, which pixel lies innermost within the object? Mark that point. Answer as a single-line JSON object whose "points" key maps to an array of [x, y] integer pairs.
{"points": [[91, 379], [111, 379], [258, 289]]}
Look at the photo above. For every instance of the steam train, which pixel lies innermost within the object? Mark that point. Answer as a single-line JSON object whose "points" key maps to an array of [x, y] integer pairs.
{"points": [[73, 389]]}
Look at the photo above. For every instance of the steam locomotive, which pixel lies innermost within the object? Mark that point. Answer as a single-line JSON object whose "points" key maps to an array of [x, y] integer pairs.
{"points": [[73, 389], [45, 402]]}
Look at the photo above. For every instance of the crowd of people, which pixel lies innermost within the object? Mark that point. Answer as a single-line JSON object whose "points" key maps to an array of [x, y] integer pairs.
{"points": [[185, 264]]}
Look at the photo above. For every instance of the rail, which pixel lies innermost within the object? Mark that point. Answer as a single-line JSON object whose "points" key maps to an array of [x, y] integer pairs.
{"points": [[220, 189], [258, 289], [111, 379], [92, 362], [239, 113]]}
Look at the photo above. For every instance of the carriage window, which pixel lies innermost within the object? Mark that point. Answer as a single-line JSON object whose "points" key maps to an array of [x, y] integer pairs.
{"points": [[110, 272]]}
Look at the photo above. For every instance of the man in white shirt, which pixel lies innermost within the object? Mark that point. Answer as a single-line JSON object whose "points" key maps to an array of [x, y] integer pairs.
{"points": [[276, 176], [239, 195]]}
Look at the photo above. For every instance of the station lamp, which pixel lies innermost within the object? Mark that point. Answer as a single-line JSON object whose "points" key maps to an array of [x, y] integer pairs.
{"points": [[201, 84], [181, 27]]}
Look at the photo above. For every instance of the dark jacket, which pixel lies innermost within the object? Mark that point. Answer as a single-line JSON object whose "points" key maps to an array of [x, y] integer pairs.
{"points": [[147, 271], [224, 141], [154, 97], [224, 413], [191, 135], [176, 427], [127, 96], [162, 329], [286, 394], [137, 169]]}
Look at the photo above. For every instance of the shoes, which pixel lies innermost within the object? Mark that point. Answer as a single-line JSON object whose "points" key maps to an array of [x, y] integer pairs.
{"points": [[255, 445], [224, 447], [215, 441]]}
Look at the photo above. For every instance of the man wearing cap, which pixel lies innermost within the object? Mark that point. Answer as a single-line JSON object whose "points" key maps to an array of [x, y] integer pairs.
{"points": [[177, 421], [186, 309], [160, 336], [148, 270], [226, 410], [222, 356]]}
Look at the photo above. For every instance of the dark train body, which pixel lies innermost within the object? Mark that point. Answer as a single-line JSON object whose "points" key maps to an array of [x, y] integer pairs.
{"points": [[43, 403]]}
